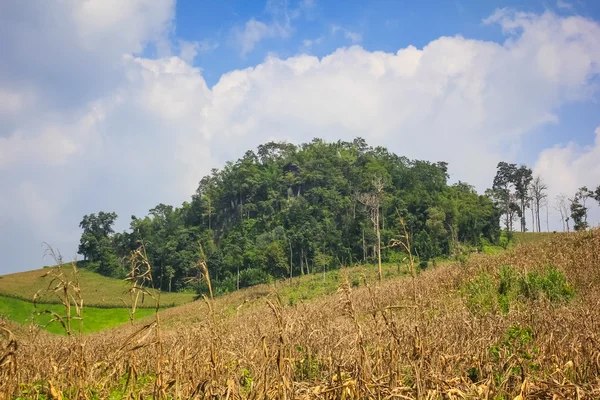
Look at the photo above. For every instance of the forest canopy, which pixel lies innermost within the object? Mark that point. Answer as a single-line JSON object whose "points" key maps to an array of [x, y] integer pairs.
{"points": [[285, 210]]}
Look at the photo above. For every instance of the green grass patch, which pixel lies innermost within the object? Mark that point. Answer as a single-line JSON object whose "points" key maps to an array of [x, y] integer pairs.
{"points": [[488, 293], [97, 290], [320, 284], [94, 319]]}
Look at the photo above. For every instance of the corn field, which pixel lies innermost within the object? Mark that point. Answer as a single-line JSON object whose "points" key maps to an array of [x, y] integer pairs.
{"points": [[407, 338]]}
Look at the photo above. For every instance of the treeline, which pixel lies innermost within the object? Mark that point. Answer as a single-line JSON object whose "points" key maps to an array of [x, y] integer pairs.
{"points": [[287, 210], [515, 190]]}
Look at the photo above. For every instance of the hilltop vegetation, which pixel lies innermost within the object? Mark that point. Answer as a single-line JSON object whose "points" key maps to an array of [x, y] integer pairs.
{"points": [[522, 323], [288, 210]]}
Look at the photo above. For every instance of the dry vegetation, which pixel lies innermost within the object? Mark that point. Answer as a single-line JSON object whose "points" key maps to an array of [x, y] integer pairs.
{"points": [[373, 340]]}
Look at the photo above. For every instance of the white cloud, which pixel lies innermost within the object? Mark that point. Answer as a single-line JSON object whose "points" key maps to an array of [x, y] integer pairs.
{"points": [[564, 4], [354, 37], [254, 31], [150, 135], [207, 45], [189, 50], [278, 26], [307, 44]]}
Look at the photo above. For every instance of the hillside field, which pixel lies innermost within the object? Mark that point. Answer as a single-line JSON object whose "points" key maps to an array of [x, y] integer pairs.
{"points": [[522, 323], [100, 291], [96, 319]]}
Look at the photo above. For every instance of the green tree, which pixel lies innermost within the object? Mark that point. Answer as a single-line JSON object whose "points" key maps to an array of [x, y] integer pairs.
{"points": [[285, 207], [521, 180], [502, 191], [96, 244], [579, 209]]}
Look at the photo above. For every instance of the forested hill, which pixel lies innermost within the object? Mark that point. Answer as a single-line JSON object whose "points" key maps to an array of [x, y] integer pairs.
{"points": [[288, 210]]}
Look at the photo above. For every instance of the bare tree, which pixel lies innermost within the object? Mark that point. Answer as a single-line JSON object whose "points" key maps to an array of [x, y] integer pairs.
{"points": [[545, 202], [562, 206], [538, 194], [373, 202], [531, 205]]}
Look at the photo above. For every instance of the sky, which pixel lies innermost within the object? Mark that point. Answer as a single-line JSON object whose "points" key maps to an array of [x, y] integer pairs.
{"points": [[119, 105]]}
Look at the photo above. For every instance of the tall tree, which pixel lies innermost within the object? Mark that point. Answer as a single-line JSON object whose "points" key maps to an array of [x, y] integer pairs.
{"points": [[579, 209], [373, 202], [521, 179], [538, 195], [502, 191], [563, 208], [596, 194]]}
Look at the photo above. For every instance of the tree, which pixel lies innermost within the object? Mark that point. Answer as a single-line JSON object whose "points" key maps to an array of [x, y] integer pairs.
{"points": [[373, 202], [502, 191], [579, 209], [538, 195], [287, 206], [521, 179], [596, 194], [96, 242], [561, 206]]}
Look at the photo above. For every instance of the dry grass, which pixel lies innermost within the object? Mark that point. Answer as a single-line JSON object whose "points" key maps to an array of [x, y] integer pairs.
{"points": [[375, 341]]}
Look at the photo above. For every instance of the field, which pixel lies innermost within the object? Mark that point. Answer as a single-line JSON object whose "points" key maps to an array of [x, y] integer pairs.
{"points": [[522, 322], [100, 291], [96, 319]]}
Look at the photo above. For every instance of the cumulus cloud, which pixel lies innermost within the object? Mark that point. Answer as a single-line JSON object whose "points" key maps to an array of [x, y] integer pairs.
{"points": [[155, 128]]}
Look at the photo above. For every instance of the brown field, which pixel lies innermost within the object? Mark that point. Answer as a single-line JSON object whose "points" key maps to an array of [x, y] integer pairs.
{"points": [[388, 340], [529, 237]]}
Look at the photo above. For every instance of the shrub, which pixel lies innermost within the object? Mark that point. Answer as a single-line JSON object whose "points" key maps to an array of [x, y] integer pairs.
{"points": [[486, 294], [254, 276], [481, 294], [551, 285]]}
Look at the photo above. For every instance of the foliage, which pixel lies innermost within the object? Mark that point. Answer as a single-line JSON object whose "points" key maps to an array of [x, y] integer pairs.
{"points": [[579, 209], [510, 192], [486, 293], [289, 210]]}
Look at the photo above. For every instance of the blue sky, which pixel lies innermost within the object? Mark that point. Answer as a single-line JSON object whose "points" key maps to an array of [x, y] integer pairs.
{"points": [[118, 105], [378, 25], [384, 25]]}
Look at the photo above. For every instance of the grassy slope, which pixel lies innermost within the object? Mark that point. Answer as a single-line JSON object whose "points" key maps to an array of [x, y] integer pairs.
{"points": [[16, 292], [98, 291], [106, 292], [95, 318]]}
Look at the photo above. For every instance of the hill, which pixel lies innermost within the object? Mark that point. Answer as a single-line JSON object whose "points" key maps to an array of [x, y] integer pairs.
{"points": [[522, 322], [286, 210]]}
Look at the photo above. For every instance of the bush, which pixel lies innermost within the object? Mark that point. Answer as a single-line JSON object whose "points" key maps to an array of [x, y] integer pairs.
{"points": [[486, 294], [254, 276], [551, 285], [481, 294]]}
